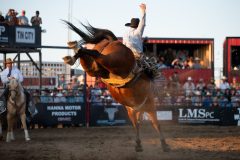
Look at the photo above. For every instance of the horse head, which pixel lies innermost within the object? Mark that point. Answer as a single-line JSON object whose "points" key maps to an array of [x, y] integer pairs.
{"points": [[14, 88]]}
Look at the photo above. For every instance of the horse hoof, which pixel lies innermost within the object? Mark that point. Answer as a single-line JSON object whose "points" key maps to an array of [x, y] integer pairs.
{"points": [[138, 149], [27, 139], [68, 60], [166, 149], [165, 146], [72, 44]]}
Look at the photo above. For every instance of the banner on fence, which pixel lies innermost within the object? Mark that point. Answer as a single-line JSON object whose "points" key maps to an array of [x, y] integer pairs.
{"points": [[108, 115], [60, 113]]}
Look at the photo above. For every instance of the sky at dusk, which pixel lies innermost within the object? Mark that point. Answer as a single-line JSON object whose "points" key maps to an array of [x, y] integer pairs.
{"points": [[165, 18]]}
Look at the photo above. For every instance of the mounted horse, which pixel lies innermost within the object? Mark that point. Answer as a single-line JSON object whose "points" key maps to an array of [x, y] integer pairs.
{"points": [[16, 105], [116, 65]]}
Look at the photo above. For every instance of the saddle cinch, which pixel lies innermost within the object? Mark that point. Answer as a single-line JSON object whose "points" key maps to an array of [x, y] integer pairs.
{"points": [[143, 64]]}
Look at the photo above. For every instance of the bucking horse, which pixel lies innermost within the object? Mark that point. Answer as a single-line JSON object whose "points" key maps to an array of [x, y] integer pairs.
{"points": [[116, 65]]}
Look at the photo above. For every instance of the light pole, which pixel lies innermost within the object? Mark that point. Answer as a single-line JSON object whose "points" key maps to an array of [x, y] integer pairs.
{"points": [[70, 4]]}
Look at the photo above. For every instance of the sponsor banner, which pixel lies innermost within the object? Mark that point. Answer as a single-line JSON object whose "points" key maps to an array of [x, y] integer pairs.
{"points": [[60, 113], [237, 116], [198, 115], [230, 116], [20, 36], [4, 30], [25, 35], [108, 115]]}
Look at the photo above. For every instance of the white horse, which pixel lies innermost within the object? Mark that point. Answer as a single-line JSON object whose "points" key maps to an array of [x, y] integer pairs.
{"points": [[16, 105]]}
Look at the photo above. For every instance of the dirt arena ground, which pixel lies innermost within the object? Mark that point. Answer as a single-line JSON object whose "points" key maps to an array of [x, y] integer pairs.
{"points": [[106, 143]]}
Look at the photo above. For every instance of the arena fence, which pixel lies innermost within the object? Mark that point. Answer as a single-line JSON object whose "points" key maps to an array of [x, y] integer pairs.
{"points": [[98, 109]]}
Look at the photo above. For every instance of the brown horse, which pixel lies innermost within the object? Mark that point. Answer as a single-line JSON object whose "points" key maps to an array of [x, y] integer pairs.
{"points": [[16, 106], [115, 63]]}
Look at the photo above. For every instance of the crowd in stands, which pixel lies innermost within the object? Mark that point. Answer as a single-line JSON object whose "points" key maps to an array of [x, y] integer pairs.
{"points": [[12, 18], [73, 92], [195, 93], [200, 94], [179, 59]]}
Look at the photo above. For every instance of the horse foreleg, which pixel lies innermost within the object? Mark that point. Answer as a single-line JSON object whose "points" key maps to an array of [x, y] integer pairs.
{"points": [[80, 54], [134, 117], [23, 120], [10, 120], [156, 125]]}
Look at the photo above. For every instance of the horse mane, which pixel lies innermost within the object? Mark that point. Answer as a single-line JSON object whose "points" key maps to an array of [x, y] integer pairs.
{"points": [[91, 35]]}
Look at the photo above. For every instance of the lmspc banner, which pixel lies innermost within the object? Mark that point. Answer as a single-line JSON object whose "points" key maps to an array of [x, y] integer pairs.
{"points": [[199, 115]]}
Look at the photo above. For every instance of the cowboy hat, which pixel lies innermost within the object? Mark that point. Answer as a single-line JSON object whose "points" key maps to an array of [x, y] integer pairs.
{"points": [[224, 78], [134, 23], [197, 59], [189, 78], [8, 60]]}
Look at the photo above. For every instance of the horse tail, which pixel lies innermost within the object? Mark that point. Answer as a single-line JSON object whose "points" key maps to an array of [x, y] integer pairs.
{"points": [[92, 35]]}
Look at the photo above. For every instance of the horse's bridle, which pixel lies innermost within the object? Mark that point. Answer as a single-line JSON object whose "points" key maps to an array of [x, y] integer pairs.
{"points": [[14, 90]]}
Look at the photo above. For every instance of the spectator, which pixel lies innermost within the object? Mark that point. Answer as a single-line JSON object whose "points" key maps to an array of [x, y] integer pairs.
{"points": [[75, 84], [211, 86], [181, 54], [45, 96], [23, 20], [161, 65], [190, 62], [234, 98], [13, 20], [62, 82], [60, 96], [235, 84], [70, 97], [2, 19], [8, 15], [175, 80], [207, 100], [224, 84], [176, 64], [189, 86], [215, 102], [185, 65], [223, 101], [36, 20], [197, 99], [200, 85], [197, 64], [169, 56]]}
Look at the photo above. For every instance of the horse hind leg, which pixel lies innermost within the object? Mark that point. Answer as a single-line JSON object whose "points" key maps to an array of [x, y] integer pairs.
{"points": [[156, 125], [135, 119], [23, 120]]}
